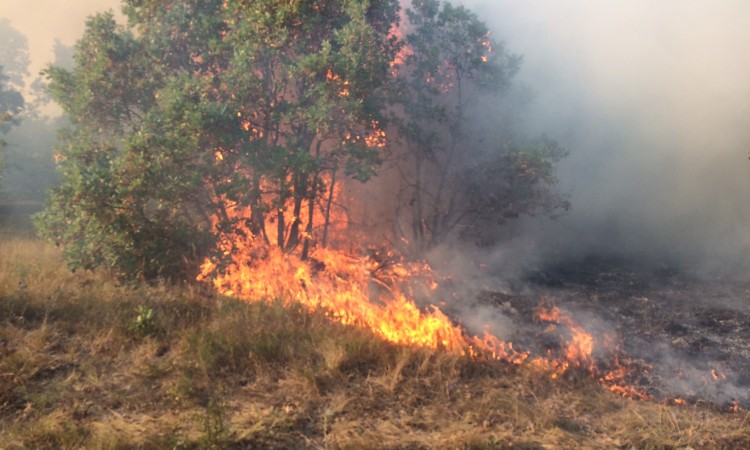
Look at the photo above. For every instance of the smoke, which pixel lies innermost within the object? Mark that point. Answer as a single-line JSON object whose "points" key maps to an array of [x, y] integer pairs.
{"points": [[33, 35], [651, 99]]}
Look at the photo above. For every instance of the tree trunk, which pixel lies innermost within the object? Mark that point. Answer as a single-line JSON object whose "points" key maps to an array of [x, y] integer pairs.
{"points": [[257, 219], [327, 222], [300, 190], [309, 226]]}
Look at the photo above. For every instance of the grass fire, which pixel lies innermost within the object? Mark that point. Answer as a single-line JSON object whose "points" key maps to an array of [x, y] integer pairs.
{"points": [[353, 224]]}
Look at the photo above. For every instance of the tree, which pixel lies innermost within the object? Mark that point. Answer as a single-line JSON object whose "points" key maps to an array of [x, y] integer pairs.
{"points": [[202, 119], [14, 54], [14, 62], [463, 170], [11, 106], [197, 109]]}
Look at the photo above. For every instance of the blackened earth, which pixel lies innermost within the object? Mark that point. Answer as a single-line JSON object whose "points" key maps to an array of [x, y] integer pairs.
{"points": [[684, 336]]}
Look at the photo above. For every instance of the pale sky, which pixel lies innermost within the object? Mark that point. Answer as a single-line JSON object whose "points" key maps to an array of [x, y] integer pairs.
{"points": [[43, 21]]}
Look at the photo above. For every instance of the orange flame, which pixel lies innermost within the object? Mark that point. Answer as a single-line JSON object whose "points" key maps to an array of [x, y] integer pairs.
{"points": [[717, 376], [354, 290], [363, 286], [376, 290], [578, 353]]}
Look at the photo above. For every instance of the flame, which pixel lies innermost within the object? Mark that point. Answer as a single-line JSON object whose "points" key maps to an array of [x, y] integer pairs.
{"points": [[343, 85], [578, 353], [362, 285], [373, 288], [404, 51], [365, 289]]}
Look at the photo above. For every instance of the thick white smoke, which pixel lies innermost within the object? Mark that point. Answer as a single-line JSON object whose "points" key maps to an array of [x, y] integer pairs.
{"points": [[652, 99]]}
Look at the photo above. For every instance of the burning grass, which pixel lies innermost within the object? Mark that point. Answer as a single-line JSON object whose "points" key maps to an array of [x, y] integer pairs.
{"points": [[87, 363]]}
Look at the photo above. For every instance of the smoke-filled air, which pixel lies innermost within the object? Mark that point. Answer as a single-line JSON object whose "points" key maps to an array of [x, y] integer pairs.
{"points": [[651, 99], [374, 224]]}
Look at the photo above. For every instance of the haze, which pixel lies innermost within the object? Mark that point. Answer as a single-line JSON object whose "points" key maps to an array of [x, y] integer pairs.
{"points": [[43, 21], [652, 100]]}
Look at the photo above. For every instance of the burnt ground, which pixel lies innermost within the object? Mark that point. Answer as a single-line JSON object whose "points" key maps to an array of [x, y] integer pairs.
{"points": [[672, 328]]}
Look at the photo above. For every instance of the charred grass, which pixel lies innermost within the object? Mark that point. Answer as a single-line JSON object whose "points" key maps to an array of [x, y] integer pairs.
{"points": [[87, 363]]}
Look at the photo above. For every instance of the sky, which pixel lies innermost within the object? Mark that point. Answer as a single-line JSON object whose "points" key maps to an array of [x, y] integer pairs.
{"points": [[43, 21], [651, 98]]}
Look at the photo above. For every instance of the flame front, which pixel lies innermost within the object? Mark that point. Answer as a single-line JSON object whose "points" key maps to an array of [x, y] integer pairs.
{"points": [[373, 290]]}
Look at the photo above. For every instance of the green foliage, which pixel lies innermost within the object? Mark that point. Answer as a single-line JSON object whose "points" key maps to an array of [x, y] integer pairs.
{"points": [[195, 110], [144, 322], [153, 104]]}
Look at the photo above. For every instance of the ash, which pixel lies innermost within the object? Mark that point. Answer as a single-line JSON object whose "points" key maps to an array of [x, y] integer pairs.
{"points": [[687, 335]]}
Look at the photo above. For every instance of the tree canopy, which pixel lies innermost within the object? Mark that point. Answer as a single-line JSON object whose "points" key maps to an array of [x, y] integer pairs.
{"points": [[199, 117], [11, 104], [14, 62]]}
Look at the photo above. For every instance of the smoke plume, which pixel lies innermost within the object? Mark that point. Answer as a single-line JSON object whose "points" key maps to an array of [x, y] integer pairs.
{"points": [[651, 100]]}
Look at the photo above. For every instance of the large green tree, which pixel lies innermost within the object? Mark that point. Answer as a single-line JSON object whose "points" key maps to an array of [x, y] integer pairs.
{"points": [[207, 118], [197, 107]]}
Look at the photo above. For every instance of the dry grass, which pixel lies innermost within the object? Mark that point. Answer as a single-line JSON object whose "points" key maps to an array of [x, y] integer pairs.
{"points": [[85, 363]]}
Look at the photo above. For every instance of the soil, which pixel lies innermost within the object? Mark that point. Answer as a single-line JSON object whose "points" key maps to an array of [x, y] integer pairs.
{"points": [[684, 337]]}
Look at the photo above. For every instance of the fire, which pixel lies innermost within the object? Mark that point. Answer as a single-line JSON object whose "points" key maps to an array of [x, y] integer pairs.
{"points": [[367, 289], [343, 85], [578, 353], [404, 52], [581, 346], [373, 288]]}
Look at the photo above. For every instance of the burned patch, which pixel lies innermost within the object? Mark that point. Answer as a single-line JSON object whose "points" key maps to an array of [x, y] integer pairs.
{"points": [[690, 335]]}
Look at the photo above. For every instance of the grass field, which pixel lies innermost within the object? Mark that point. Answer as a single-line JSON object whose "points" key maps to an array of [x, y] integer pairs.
{"points": [[88, 363]]}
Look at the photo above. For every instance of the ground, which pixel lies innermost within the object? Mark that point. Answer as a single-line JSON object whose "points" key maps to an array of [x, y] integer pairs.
{"points": [[691, 330], [86, 362]]}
